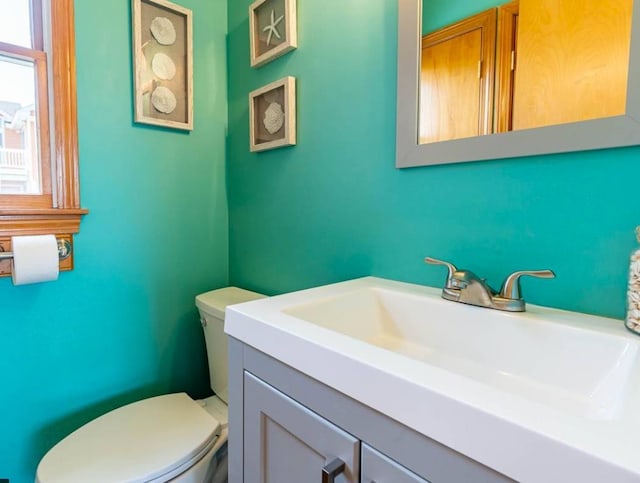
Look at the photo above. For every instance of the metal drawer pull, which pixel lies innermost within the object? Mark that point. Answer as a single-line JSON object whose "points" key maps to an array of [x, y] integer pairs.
{"points": [[331, 470]]}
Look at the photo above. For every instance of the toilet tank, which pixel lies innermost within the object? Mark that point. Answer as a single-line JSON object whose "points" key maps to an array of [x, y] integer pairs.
{"points": [[212, 306]]}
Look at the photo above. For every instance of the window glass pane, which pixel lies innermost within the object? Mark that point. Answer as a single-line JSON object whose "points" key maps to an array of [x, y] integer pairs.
{"points": [[19, 158], [15, 22]]}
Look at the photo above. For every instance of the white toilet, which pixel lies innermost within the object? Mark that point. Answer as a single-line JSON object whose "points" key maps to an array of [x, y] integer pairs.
{"points": [[164, 438]]}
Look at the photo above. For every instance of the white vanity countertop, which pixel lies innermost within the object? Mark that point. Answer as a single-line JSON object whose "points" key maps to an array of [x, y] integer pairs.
{"points": [[519, 436]]}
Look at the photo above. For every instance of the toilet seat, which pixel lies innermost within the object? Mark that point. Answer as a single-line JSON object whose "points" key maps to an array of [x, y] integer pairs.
{"points": [[154, 439]]}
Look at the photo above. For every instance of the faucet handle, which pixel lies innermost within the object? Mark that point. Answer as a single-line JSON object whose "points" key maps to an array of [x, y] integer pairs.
{"points": [[450, 266], [511, 287]]}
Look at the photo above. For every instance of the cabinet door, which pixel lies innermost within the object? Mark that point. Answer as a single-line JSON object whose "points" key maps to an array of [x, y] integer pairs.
{"points": [[572, 61], [377, 468], [284, 442], [456, 79]]}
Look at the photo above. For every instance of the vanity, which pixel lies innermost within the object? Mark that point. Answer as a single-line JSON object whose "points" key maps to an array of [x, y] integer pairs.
{"points": [[377, 380], [373, 380]]}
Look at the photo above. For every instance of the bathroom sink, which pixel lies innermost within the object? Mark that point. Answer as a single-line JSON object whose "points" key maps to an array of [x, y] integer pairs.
{"points": [[527, 354], [560, 385]]}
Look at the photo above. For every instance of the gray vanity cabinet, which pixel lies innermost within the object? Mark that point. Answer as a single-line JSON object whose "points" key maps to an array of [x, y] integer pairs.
{"points": [[287, 443], [378, 468], [286, 427]]}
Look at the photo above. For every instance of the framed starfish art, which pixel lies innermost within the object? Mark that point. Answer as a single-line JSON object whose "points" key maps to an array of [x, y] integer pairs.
{"points": [[273, 29]]}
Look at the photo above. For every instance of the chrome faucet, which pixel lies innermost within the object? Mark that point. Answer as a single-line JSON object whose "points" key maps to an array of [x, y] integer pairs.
{"points": [[466, 287]]}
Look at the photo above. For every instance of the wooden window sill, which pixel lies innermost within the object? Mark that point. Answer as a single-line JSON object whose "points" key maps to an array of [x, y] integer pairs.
{"points": [[16, 222], [63, 223]]}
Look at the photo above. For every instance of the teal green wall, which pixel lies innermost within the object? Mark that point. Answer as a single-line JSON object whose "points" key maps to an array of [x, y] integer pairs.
{"points": [[335, 207], [440, 13], [122, 325]]}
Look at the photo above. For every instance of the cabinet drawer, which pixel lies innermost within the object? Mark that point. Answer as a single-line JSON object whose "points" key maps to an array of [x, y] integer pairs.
{"points": [[377, 468], [284, 442]]}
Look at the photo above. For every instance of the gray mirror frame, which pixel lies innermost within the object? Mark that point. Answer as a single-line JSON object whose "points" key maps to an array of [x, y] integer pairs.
{"points": [[580, 136]]}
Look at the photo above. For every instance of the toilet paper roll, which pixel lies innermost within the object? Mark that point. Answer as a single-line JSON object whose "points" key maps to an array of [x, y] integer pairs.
{"points": [[35, 259]]}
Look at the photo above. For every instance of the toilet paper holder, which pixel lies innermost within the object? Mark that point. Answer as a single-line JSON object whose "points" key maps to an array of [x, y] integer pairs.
{"points": [[64, 250]]}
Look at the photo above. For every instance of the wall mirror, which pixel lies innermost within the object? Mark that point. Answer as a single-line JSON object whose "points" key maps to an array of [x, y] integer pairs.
{"points": [[500, 127]]}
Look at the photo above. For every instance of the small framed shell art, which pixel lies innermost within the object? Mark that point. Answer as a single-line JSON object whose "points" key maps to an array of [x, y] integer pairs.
{"points": [[163, 64], [272, 115], [273, 29]]}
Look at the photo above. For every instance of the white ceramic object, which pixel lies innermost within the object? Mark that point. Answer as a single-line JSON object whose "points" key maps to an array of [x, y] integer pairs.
{"points": [[580, 371], [146, 450], [212, 306], [164, 438], [545, 395]]}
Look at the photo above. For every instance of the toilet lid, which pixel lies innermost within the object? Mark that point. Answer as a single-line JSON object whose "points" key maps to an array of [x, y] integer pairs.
{"points": [[139, 442]]}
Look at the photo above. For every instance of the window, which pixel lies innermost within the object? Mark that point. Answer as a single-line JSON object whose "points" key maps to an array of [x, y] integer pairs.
{"points": [[39, 191]]}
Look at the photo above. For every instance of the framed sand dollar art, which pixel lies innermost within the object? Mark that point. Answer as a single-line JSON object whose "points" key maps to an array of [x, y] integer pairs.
{"points": [[163, 64], [272, 115]]}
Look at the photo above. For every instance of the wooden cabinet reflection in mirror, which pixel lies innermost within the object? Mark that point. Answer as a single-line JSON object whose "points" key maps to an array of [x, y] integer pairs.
{"points": [[456, 80], [525, 64]]}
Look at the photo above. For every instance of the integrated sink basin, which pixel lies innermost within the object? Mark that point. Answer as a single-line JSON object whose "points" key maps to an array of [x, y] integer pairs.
{"points": [[509, 390], [570, 367]]}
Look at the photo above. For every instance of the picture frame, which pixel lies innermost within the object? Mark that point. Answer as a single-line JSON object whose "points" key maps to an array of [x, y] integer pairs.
{"points": [[272, 115], [162, 64], [273, 30]]}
